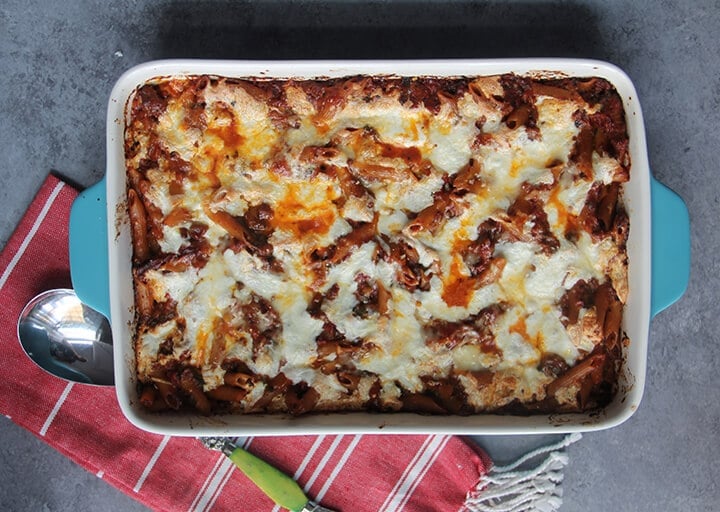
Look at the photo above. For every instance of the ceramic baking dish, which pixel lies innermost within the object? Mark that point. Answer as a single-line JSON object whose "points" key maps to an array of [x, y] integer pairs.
{"points": [[658, 252]]}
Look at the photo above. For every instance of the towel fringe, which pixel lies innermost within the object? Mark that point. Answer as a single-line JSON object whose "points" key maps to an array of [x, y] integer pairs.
{"points": [[539, 489]]}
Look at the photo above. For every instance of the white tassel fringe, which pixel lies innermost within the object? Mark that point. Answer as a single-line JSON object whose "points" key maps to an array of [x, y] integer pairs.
{"points": [[505, 489]]}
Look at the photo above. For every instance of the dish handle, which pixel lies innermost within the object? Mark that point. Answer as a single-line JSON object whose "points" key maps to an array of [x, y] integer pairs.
{"points": [[89, 248], [670, 247]]}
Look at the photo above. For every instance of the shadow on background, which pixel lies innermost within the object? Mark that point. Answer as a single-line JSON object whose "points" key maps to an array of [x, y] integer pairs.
{"points": [[356, 30]]}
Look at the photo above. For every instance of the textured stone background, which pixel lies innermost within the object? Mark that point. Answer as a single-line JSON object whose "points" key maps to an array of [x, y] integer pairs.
{"points": [[59, 60]]}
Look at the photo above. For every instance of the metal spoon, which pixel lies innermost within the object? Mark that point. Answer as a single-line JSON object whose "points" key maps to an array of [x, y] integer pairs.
{"points": [[67, 338], [70, 340]]}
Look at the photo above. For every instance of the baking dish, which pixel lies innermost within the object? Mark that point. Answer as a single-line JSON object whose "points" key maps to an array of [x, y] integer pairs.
{"points": [[658, 252]]}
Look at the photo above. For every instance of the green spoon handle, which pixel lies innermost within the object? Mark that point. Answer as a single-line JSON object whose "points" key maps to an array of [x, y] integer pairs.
{"points": [[279, 487]]}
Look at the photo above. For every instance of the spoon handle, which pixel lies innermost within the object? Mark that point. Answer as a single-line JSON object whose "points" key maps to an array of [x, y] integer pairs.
{"points": [[279, 487]]}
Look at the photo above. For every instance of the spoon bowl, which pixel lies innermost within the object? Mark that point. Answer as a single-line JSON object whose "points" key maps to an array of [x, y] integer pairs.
{"points": [[67, 338]]}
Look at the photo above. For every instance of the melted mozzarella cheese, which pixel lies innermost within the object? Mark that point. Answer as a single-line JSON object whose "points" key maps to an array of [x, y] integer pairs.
{"points": [[174, 285], [210, 296], [250, 270], [149, 344], [251, 122], [175, 135], [172, 240], [393, 122], [449, 141], [605, 168], [408, 195]]}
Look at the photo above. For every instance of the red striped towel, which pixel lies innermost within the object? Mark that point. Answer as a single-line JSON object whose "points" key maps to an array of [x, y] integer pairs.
{"points": [[348, 473]]}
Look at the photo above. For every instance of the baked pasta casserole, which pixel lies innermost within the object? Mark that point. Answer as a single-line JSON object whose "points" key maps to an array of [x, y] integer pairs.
{"points": [[435, 245]]}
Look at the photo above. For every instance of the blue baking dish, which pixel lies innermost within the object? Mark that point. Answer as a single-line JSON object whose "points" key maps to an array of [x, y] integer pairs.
{"points": [[658, 255]]}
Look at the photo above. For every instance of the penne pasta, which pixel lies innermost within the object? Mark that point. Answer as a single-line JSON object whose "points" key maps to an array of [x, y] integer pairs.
{"points": [[148, 396], [415, 402], [168, 392], [469, 178], [143, 299], [345, 244], [431, 218], [177, 215], [349, 380], [518, 117], [576, 374], [301, 399], [138, 225], [228, 393], [191, 386], [228, 223], [239, 380], [540, 89]]}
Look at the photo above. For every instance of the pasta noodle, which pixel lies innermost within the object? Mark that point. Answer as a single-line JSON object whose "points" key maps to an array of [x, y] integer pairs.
{"points": [[141, 249]]}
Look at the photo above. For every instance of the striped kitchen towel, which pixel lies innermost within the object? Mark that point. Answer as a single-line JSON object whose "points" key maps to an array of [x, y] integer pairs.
{"points": [[351, 473]]}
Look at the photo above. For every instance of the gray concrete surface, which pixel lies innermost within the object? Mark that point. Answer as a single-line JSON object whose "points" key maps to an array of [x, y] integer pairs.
{"points": [[58, 62]]}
